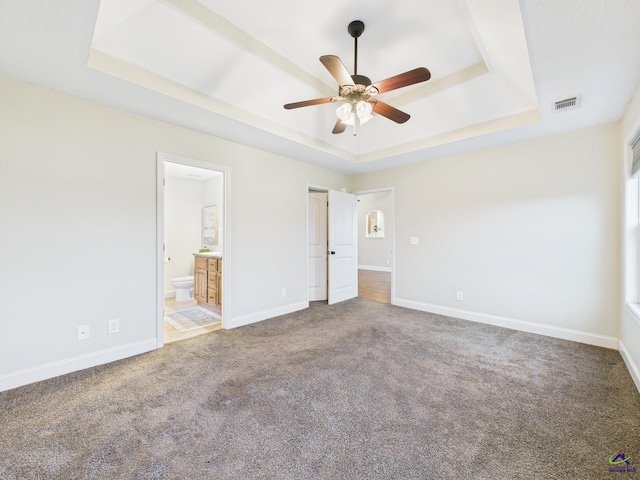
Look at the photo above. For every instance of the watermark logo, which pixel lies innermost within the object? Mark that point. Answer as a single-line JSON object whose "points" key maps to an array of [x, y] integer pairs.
{"points": [[620, 462]]}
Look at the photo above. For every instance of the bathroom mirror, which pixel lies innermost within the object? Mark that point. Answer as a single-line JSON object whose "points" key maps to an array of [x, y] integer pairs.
{"points": [[210, 226], [375, 224]]}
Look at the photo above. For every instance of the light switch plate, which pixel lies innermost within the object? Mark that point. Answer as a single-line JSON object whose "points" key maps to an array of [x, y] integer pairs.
{"points": [[413, 240]]}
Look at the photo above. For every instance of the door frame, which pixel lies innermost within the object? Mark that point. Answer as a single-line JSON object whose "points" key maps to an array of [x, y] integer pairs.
{"points": [[326, 237], [162, 157], [393, 238], [317, 188]]}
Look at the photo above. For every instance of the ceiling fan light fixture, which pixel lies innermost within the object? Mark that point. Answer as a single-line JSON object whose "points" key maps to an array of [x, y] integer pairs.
{"points": [[350, 120], [349, 115], [356, 90], [344, 111], [363, 110]]}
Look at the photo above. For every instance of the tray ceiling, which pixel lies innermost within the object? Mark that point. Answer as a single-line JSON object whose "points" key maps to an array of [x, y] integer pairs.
{"points": [[227, 68], [214, 55]]}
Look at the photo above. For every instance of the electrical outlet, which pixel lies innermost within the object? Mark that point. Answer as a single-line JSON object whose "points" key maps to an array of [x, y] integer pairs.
{"points": [[83, 332], [283, 292], [459, 296], [114, 325]]}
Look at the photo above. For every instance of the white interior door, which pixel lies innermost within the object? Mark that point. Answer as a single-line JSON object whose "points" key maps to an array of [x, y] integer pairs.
{"points": [[317, 246], [343, 246]]}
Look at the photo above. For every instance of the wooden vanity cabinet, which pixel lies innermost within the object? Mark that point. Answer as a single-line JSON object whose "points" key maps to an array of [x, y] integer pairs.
{"points": [[212, 281], [200, 280], [208, 281], [220, 281]]}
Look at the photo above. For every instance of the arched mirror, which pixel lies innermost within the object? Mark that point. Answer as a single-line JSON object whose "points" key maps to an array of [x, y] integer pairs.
{"points": [[375, 224]]}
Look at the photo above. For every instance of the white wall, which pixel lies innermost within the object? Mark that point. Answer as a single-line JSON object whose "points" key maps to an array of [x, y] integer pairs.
{"points": [[214, 195], [184, 200], [375, 252], [630, 308], [78, 216], [528, 232]]}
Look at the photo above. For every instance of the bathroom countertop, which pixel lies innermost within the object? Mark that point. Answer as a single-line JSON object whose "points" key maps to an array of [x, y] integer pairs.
{"points": [[209, 254]]}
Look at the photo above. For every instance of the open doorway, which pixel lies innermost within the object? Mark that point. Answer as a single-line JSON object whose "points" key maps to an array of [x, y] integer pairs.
{"points": [[376, 238], [191, 218], [318, 202]]}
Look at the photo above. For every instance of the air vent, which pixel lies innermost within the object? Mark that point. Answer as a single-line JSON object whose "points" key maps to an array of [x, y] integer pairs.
{"points": [[566, 104]]}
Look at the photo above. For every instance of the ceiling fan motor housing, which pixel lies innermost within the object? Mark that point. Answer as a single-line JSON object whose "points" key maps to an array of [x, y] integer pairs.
{"points": [[361, 80], [356, 28]]}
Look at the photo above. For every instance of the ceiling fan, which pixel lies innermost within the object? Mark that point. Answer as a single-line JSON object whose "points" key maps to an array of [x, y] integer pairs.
{"points": [[357, 92]]}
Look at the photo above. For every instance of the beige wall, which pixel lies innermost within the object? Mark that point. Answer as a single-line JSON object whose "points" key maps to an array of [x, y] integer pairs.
{"points": [[78, 216], [375, 253], [528, 232]]}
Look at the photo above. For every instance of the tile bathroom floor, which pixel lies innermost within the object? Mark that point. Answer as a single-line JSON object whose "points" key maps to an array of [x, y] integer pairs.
{"points": [[173, 335]]}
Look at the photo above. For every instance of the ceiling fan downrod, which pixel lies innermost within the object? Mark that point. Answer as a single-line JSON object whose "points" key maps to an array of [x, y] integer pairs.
{"points": [[355, 29]]}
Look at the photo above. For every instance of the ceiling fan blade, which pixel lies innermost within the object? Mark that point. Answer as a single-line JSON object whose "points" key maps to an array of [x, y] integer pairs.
{"points": [[392, 113], [405, 79], [337, 69], [308, 103], [339, 127]]}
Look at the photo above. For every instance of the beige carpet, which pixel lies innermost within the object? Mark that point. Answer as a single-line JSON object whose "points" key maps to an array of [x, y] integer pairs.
{"points": [[359, 390]]}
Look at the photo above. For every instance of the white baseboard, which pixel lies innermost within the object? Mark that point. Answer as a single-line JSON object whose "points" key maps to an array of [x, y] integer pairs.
{"points": [[374, 268], [73, 364], [264, 315], [521, 325], [631, 365]]}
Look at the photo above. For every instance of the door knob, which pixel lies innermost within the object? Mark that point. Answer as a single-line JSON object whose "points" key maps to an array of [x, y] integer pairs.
{"points": [[332, 252]]}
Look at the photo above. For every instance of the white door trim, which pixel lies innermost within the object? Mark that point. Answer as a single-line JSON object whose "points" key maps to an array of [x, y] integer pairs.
{"points": [[318, 290], [318, 188], [162, 157]]}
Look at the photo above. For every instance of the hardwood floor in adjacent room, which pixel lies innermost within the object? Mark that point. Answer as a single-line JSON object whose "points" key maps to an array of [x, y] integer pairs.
{"points": [[374, 285]]}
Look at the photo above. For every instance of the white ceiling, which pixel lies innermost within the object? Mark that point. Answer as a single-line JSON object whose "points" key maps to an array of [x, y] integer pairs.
{"points": [[227, 68], [188, 172]]}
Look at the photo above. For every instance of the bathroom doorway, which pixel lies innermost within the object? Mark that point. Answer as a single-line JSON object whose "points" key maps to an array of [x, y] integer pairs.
{"points": [[191, 219]]}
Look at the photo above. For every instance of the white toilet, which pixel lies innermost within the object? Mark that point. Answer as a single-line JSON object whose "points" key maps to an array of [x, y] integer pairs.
{"points": [[183, 288]]}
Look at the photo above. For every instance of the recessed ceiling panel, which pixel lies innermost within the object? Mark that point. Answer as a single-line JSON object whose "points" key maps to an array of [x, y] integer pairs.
{"points": [[440, 37], [246, 59]]}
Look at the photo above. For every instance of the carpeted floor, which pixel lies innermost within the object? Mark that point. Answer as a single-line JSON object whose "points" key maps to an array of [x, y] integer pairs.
{"points": [[358, 390]]}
